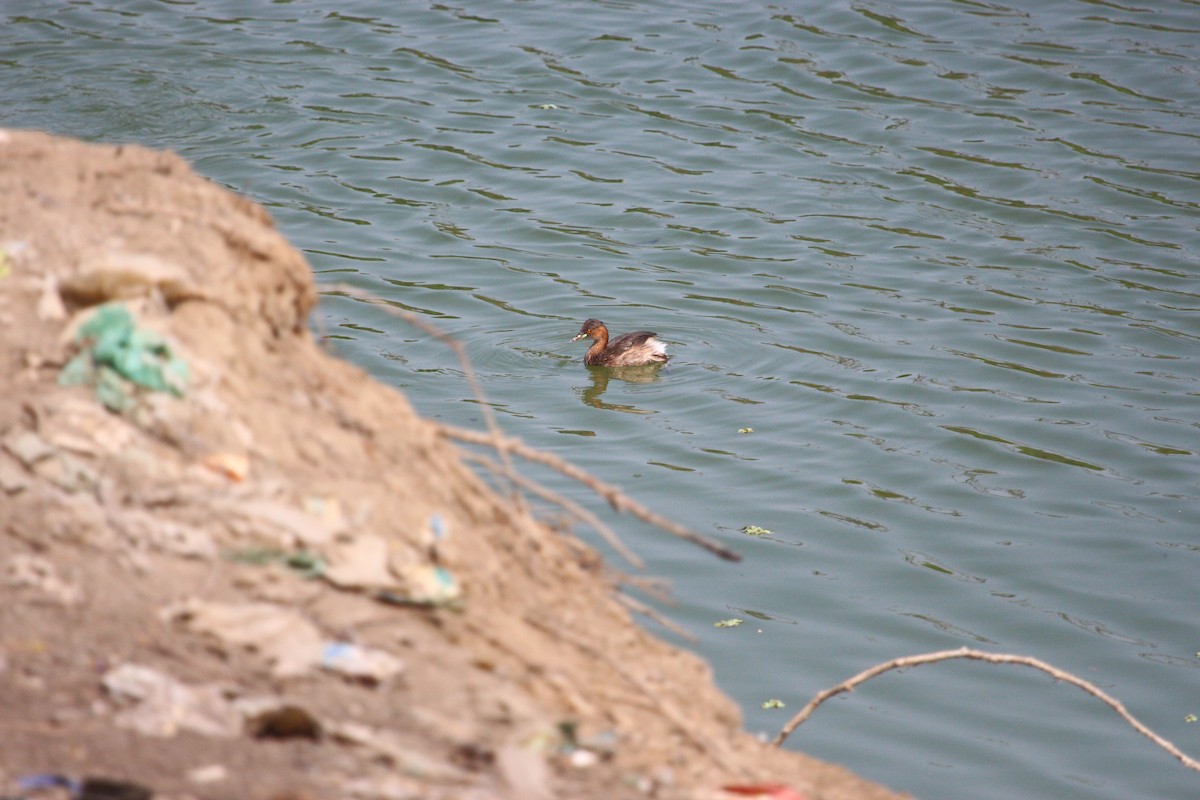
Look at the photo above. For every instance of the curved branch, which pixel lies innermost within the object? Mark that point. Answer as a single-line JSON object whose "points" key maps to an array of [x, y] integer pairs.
{"points": [[991, 658]]}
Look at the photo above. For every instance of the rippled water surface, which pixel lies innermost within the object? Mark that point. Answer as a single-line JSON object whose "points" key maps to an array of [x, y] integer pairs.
{"points": [[940, 257]]}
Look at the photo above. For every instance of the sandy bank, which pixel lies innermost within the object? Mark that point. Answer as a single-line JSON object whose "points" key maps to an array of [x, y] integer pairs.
{"points": [[271, 577]]}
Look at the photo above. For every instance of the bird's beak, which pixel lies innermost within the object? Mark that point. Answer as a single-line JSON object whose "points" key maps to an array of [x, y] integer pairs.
{"points": [[578, 336]]}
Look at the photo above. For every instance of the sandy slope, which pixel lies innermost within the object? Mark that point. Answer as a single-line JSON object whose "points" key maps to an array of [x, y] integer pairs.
{"points": [[131, 539]]}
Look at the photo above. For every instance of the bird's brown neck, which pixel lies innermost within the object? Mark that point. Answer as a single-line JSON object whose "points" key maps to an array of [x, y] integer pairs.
{"points": [[598, 346]]}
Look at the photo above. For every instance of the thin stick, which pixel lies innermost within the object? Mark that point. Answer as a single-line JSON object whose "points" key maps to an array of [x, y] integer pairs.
{"points": [[657, 587], [570, 506], [991, 658], [459, 352], [637, 606], [615, 497]]}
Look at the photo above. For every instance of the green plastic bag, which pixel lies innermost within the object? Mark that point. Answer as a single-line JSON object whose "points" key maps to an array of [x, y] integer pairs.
{"points": [[118, 356]]}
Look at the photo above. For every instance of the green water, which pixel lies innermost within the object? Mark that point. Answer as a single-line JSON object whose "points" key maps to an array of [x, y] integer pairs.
{"points": [[941, 257]]}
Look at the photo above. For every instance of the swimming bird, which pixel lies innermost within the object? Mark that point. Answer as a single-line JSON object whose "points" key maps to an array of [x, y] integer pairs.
{"points": [[627, 350]]}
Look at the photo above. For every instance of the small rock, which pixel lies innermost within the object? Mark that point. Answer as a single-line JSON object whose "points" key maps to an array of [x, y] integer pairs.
{"points": [[525, 771], [386, 745], [386, 787], [266, 519], [78, 518], [50, 305], [163, 706], [361, 564], [35, 571], [12, 478], [68, 716], [270, 718], [167, 535], [67, 473], [27, 447], [82, 426], [284, 636], [213, 773]]}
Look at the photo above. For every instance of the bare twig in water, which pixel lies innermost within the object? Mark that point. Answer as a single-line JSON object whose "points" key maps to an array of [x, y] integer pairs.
{"points": [[653, 586], [570, 506], [615, 497], [991, 658], [460, 353], [637, 606]]}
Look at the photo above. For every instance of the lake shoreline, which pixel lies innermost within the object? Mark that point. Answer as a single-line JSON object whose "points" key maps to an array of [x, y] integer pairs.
{"points": [[316, 596]]}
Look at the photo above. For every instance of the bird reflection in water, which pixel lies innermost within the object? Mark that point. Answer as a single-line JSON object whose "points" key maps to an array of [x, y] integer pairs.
{"points": [[593, 395]]}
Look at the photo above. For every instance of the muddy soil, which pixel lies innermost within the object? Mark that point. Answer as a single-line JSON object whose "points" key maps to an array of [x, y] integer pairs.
{"points": [[269, 577]]}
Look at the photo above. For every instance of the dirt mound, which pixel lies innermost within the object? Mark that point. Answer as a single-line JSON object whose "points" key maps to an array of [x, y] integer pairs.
{"points": [[234, 566]]}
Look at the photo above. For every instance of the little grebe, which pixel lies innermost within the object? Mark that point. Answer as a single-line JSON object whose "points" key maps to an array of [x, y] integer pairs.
{"points": [[627, 350]]}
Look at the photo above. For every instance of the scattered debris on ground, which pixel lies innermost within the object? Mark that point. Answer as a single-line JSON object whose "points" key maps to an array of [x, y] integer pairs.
{"points": [[233, 566]]}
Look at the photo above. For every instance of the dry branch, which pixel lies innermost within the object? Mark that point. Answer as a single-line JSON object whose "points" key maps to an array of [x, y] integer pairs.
{"points": [[570, 506], [991, 658], [637, 606], [656, 587], [615, 497], [460, 353]]}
